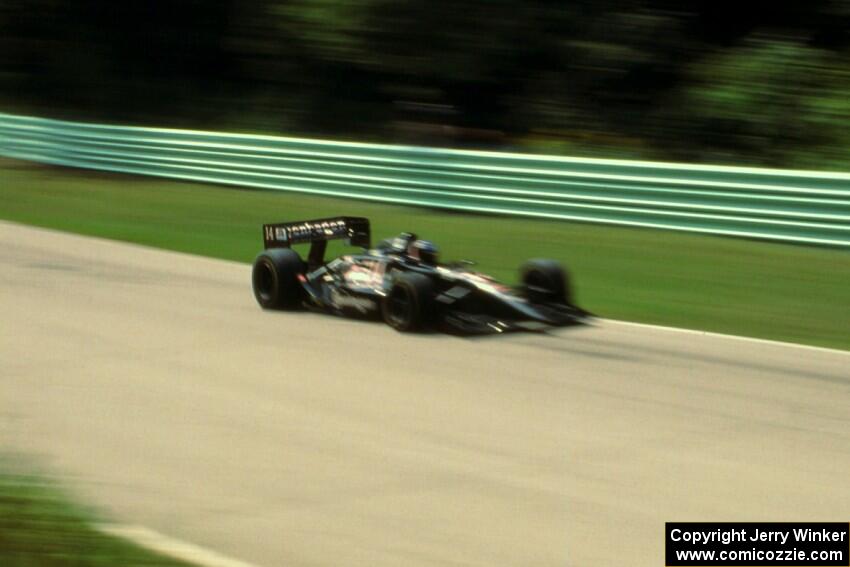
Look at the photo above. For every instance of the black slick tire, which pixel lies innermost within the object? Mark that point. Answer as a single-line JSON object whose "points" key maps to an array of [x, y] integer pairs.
{"points": [[409, 304], [275, 279], [545, 281]]}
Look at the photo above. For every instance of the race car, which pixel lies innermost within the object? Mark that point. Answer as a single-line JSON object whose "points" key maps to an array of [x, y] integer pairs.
{"points": [[402, 281]]}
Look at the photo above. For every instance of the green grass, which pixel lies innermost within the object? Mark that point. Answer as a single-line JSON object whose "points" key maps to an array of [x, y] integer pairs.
{"points": [[41, 527], [760, 289]]}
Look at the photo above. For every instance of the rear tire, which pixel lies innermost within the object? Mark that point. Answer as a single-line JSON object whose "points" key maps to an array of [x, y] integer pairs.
{"points": [[545, 281], [275, 279], [410, 302]]}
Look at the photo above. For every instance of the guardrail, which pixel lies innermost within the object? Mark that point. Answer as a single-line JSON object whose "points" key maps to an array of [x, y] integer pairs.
{"points": [[786, 205]]}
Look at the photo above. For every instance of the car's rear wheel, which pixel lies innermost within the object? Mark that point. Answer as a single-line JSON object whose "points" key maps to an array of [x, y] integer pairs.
{"points": [[409, 304], [545, 281], [275, 279]]}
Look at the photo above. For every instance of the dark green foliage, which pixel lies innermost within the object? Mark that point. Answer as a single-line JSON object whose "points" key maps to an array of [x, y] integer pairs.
{"points": [[694, 80]]}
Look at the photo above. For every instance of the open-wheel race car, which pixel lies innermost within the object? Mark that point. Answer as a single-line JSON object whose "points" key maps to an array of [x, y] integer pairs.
{"points": [[402, 281]]}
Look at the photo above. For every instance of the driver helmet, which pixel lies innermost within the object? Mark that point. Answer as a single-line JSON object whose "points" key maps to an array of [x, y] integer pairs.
{"points": [[424, 251]]}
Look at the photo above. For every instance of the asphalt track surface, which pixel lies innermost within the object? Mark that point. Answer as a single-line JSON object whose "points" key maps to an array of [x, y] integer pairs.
{"points": [[152, 384]]}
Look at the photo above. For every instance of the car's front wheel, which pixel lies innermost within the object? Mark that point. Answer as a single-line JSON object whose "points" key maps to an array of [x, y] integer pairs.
{"points": [[275, 279], [408, 306], [545, 281]]}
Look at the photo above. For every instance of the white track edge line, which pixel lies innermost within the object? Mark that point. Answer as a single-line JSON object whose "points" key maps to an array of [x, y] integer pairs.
{"points": [[725, 336], [171, 547]]}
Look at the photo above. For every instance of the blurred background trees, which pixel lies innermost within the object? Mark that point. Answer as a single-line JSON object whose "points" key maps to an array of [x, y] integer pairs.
{"points": [[696, 80]]}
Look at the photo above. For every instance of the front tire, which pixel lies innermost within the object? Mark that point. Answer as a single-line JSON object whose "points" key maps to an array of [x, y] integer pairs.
{"points": [[545, 281], [275, 279], [410, 302]]}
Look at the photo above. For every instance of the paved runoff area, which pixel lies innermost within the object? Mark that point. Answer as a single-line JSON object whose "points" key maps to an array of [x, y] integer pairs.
{"points": [[152, 385]]}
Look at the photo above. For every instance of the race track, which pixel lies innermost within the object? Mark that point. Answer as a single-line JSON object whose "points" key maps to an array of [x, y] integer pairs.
{"points": [[155, 388]]}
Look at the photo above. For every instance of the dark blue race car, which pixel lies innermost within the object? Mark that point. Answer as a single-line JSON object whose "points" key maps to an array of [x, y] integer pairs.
{"points": [[402, 281]]}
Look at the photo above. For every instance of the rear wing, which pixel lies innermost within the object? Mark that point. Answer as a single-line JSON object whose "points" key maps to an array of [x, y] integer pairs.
{"points": [[317, 232]]}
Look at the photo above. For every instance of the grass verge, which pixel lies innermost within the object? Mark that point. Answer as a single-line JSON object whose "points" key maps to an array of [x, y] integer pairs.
{"points": [[40, 527], [726, 285]]}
